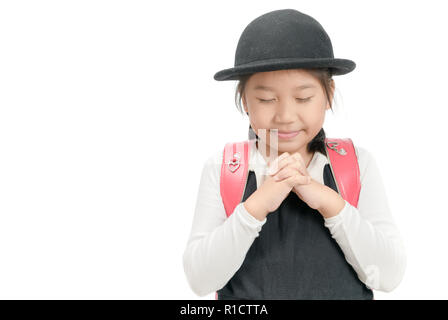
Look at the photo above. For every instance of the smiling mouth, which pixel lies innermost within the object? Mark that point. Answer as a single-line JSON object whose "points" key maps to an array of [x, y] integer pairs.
{"points": [[288, 134]]}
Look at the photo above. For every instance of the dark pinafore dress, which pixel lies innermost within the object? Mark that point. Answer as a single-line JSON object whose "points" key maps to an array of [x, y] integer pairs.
{"points": [[294, 257]]}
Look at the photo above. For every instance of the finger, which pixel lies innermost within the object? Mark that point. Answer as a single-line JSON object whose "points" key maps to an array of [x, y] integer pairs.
{"points": [[297, 179], [286, 162], [274, 167], [294, 161], [300, 168], [301, 180], [298, 156], [286, 173]]}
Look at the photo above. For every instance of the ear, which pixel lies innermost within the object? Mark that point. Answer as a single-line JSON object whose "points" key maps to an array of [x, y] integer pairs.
{"points": [[243, 100], [332, 86]]}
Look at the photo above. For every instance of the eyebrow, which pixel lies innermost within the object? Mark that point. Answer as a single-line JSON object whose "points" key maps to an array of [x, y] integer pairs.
{"points": [[265, 88]]}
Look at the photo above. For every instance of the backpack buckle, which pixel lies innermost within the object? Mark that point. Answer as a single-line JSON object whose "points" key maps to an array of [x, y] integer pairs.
{"points": [[234, 164], [332, 145]]}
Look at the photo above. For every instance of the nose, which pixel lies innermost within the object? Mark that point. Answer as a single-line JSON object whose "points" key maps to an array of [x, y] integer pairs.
{"points": [[286, 113]]}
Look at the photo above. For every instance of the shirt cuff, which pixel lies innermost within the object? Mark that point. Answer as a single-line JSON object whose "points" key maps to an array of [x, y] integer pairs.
{"points": [[339, 217], [249, 219]]}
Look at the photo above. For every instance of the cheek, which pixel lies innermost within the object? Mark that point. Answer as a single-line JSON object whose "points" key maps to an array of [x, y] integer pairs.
{"points": [[261, 119], [314, 119]]}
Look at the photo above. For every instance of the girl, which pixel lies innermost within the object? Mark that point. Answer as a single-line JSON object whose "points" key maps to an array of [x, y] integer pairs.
{"points": [[292, 236]]}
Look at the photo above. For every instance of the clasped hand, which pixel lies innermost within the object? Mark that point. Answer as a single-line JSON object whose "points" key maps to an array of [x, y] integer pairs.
{"points": [[292, 165]]}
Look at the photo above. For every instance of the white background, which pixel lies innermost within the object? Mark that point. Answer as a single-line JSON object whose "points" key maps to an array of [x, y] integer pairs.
{"points": [[108, 110]]}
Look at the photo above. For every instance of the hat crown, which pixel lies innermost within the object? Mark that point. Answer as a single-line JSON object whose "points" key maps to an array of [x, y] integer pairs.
{"points": [[285, 33]]}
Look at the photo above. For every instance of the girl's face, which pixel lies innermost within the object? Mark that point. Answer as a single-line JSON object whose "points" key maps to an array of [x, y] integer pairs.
{"points": [[287, 100]]}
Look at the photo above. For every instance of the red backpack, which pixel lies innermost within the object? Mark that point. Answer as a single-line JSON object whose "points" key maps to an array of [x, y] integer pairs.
{"points": [[235, 169]]}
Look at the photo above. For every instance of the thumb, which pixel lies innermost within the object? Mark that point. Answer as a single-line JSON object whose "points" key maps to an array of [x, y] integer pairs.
{"points": [[298, 179]]}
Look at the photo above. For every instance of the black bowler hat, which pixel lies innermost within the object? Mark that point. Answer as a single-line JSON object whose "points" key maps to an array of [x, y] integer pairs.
{"points": [[284, 39]]}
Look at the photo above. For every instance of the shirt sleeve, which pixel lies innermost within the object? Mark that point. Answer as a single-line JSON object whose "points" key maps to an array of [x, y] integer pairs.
{"points": [[368, 235], [217, 245]]}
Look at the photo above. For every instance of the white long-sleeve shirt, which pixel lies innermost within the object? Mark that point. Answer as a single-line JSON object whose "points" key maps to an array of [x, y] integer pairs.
{"points": [[367, 235]]}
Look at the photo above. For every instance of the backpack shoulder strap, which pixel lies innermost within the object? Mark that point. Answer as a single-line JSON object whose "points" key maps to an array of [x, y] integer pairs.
{"points": [[345, 168], [234, 172]]}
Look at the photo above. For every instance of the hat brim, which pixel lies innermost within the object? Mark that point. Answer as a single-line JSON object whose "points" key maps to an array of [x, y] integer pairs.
{"points": [[338, 66]]}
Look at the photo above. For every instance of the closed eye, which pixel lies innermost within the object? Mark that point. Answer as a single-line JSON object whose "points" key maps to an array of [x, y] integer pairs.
{"points": [[299, 99], [265, 101]]}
